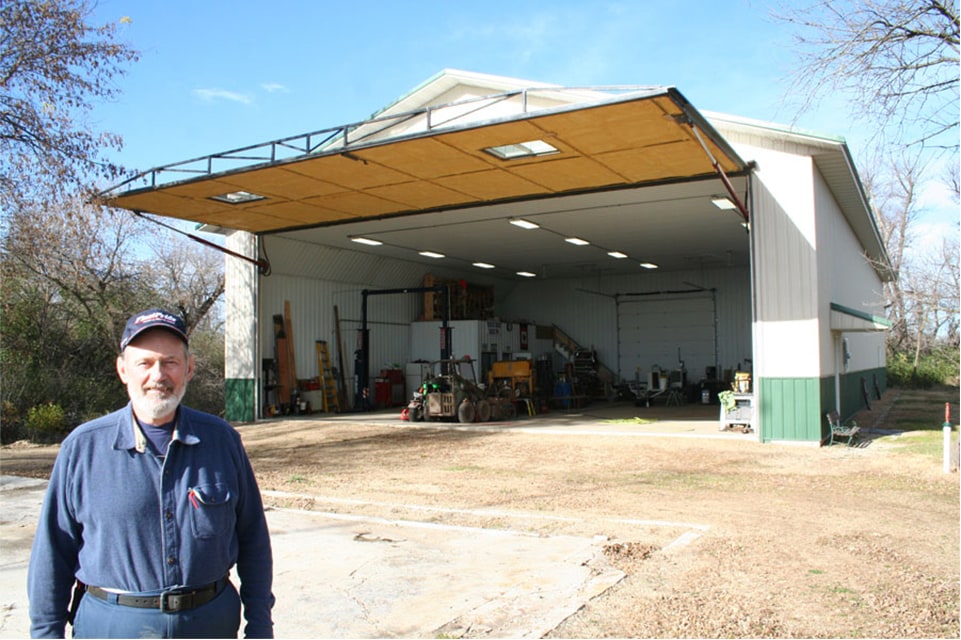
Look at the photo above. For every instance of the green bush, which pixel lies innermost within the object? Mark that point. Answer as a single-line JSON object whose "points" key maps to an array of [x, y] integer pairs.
{"points": [[940, 366], [46, 422]]}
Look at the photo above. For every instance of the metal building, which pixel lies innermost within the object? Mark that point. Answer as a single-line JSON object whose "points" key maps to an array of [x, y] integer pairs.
{"points": [[661, 238]]}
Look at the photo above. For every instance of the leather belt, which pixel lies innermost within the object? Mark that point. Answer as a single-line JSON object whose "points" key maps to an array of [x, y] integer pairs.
{"points": [[168, 601]]}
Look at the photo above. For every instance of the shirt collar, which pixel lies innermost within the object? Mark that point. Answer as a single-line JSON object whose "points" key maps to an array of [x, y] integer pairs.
{"points": [[130, 436]]}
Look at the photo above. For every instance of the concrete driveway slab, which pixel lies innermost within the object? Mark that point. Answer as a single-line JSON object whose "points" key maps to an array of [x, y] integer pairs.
{"points": [[339, 575]]}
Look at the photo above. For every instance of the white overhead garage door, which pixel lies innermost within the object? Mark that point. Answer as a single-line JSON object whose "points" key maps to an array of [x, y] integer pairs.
{"points": [[665, 330]]}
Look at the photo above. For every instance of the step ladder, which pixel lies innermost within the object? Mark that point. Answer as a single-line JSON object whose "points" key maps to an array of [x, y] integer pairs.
{"points": [[328, 382]]}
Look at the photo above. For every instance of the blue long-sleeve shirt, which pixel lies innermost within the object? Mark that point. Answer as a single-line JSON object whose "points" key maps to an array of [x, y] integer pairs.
{"points": [[116, 516]]}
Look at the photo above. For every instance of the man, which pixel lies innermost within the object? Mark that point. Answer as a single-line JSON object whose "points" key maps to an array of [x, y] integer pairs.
{"points": [[148, 509]]}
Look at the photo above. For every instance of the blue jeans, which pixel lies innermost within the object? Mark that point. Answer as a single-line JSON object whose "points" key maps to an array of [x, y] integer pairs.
{"points": [[219, 618]]}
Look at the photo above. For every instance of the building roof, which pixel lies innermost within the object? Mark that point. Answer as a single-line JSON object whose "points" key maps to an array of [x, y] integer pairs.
{"points": [[436, 157], [470, 143]]}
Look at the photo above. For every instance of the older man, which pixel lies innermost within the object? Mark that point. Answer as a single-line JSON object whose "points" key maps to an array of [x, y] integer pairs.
{"points": [[147, 511]]}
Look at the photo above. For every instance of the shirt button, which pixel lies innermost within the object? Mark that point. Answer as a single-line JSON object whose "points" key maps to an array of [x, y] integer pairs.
{"points": [[168, 515], [171, 560]]}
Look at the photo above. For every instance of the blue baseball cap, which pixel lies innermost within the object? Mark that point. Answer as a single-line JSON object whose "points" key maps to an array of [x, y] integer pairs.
{"points": [[153, 319]]}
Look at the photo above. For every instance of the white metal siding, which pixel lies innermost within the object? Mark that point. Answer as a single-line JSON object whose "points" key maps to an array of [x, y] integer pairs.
{"points": [[786, 268], [847, 278], [240, 292]]}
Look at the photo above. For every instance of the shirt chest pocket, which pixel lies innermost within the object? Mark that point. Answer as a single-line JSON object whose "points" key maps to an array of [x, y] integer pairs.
{"points": [[212, 512]]}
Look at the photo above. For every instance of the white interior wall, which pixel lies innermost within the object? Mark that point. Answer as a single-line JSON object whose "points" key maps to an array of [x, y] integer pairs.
{"points": [[471, 338], [587, 309], [315, 278]]}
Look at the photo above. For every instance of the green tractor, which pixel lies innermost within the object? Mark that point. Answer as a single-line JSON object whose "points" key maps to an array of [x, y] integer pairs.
{"points": [[451, 392]]}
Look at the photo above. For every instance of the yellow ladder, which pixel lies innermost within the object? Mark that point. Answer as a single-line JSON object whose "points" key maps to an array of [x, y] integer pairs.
{"points": [[327, 380]]}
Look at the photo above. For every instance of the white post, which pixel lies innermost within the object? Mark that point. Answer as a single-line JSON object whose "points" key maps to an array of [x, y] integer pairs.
{"points": [[947, 450], [946, 430]]}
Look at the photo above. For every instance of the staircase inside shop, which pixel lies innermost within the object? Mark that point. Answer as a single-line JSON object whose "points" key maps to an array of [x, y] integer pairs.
{"points": [[589, 376]]}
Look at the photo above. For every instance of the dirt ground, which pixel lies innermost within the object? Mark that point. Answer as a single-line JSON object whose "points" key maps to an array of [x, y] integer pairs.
{"points": [[789, 541]]}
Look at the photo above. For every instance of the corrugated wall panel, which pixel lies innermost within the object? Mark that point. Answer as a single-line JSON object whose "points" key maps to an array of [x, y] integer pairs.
{"points": [[786, 275], [312, 319], [860, 288], [790, 409], [586, 309], [315, 278], [308, 260], [241, 368]]}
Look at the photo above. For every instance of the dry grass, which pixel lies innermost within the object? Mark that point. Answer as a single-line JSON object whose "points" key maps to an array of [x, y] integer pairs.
{"points": [[796, 541]]}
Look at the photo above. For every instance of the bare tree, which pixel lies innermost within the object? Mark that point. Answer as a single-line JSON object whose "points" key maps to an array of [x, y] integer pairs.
{"points": [[893, 188], [191, 280], [931, 290], [897, 60], [192, 277], [86, 253], [70, 278], [53, 67], [922, 300]]}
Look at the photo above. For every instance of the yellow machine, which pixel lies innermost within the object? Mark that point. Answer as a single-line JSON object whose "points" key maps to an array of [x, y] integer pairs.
{"points": [[515, 375]]}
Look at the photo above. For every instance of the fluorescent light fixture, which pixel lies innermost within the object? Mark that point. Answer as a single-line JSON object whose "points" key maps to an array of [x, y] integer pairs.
{"points": [[431, 254], [649, 265], [529, 149], [617, 254], [483, 265], [524, 224], [578, 241], [527, 274], [238, 197], [723, 203], [368, 241]]}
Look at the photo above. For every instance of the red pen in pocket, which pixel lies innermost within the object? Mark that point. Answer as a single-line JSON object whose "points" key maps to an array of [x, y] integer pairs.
{"points": [[192, 495]]}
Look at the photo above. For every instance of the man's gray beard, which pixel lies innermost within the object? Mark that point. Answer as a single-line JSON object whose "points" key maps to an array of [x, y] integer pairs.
{"points": [[157, 410]]}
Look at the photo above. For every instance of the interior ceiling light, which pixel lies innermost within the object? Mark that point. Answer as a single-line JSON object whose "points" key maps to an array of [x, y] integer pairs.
{"points": [[617, 254], [368, 241], [238, 197], [723, 203], [578, 241], [524, 224], [431, 254], [527, 274], [649, 265], [531, 148], [483, 265]]}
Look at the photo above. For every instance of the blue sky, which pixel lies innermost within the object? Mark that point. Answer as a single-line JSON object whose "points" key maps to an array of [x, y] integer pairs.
{"points": [[215, 75]]}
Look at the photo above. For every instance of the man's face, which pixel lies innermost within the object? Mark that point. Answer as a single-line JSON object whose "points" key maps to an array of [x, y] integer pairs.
{"points": [[156, 368]]}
